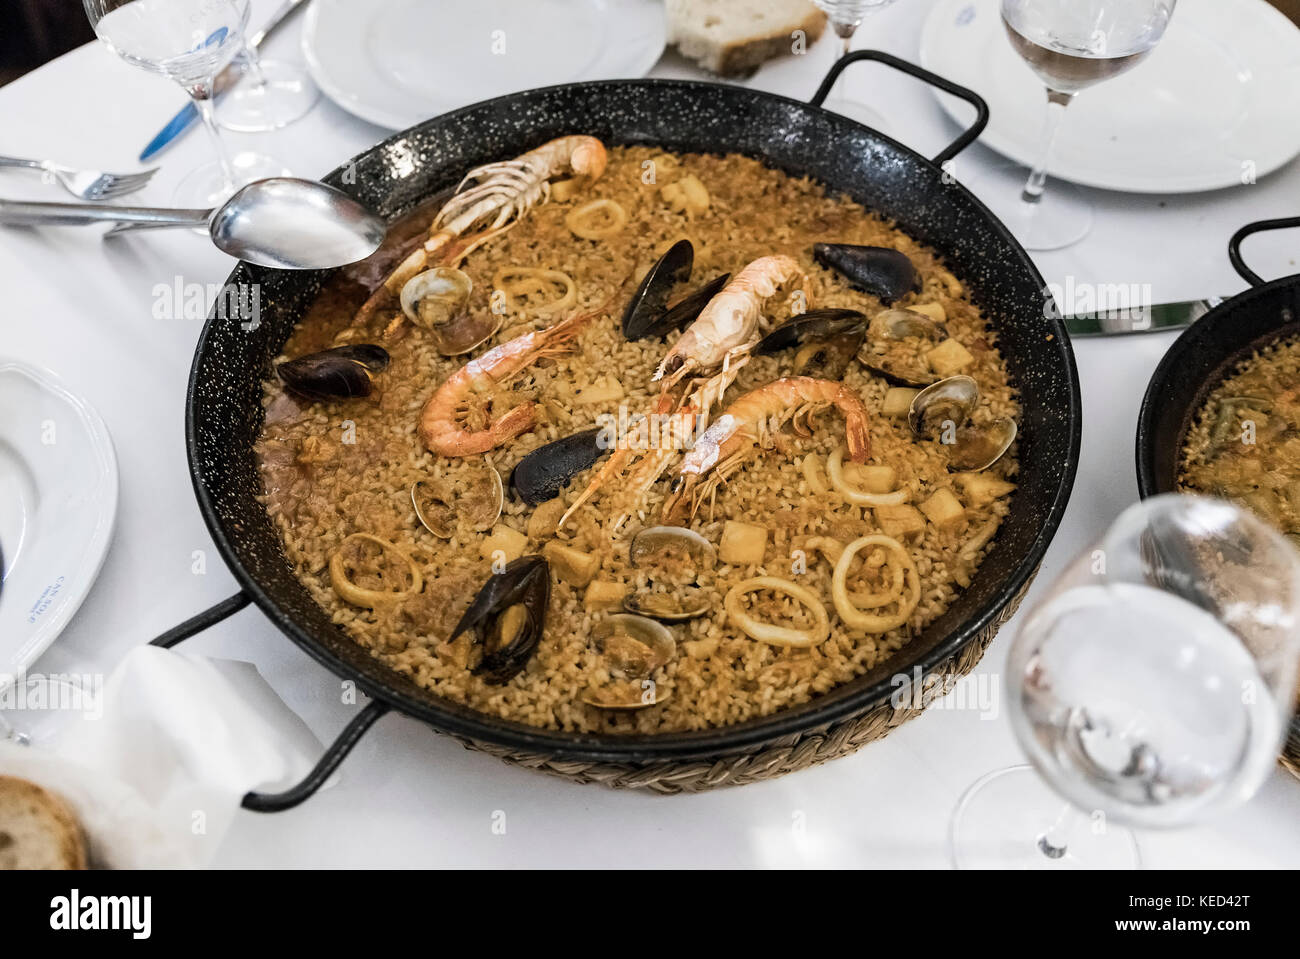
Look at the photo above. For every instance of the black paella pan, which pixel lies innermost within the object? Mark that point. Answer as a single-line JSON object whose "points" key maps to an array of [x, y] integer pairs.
{"points": [[1202, 356], [224, 411]]}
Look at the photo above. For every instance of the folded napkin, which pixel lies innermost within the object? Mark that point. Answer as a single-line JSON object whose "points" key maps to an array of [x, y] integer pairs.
{"points": [[157, 779]]}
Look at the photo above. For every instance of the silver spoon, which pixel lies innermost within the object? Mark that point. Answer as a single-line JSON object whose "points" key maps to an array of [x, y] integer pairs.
{"points": [[281, 222]]}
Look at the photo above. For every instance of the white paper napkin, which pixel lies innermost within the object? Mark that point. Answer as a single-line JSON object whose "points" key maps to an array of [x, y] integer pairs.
{"points": [[158, 778]]}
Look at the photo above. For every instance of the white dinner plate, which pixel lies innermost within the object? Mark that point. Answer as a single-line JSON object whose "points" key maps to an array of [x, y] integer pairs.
{"points": [[58, 501], [1216, 104], [399, 62]]}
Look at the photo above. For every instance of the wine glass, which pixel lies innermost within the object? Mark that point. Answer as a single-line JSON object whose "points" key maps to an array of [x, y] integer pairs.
{"points": [[845, 17], [268, 94], [1153, 686], [35, 709], [1071, 45], [189, 41]]}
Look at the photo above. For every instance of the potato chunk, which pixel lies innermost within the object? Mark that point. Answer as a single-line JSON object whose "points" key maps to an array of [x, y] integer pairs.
{"points": [[572, 566], [544, 519], [980, 489], [742, 544], [949, 358], [898, 401], [900, 522], [564, 190], [701, 648], [873, 479], [604, 595], [934, 311], [944, 510], [509, 541]]}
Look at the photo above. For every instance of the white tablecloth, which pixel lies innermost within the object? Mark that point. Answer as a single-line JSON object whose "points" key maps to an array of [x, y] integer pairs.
{"points": [[408, 796]]}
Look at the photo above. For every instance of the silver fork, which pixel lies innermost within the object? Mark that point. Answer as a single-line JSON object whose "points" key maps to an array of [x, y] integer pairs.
{"points": [[86, 184]]}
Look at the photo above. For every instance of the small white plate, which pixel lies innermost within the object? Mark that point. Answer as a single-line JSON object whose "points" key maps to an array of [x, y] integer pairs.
{"points": [[1216, 104], [398, 62], [58, 501]]}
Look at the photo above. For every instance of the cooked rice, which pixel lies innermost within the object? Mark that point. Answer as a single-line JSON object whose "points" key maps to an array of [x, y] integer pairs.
{"points": [[1244, 445], [724, 677]]}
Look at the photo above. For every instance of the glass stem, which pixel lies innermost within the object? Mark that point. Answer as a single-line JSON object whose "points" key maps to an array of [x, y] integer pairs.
{"points": [[845, 32], [254, 66], [1054, 842], [1037, 182], [202, 95]]}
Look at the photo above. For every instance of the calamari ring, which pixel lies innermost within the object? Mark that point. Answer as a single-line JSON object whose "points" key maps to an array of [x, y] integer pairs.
{"points": [[369, 598], [585, 221], [853, 617], [859, 497], [833, 549], [515, 281], [777, 635]]}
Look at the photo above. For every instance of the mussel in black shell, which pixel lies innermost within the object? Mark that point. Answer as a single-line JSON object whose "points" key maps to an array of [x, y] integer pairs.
{"points": [[825, 340], [878, 270], [545, 471], [648, 313], [344, 372], [508, 616]]}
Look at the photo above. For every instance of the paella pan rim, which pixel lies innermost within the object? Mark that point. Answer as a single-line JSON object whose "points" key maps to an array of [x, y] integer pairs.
{"points": [[845, 701]]}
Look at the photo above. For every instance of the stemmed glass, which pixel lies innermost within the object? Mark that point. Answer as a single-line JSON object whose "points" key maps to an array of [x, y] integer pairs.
{"points": [[189, 41], [845, 17], [269, 94], [1071, 45], [1153, 686], [34, 710]]}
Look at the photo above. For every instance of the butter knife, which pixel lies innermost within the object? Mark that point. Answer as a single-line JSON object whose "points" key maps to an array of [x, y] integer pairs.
{"points": [[225, 80], [1142, 319]]}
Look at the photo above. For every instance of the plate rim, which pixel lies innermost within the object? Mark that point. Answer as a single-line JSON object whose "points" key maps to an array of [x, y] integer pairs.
{"points": [[990, 139], [95, 551], [396, 121]]}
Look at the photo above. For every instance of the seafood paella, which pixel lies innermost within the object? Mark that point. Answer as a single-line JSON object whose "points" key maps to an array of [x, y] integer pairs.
{"points": [[1244, 445], [626, 440]]}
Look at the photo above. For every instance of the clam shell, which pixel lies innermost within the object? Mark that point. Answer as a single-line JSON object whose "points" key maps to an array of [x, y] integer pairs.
{"points": [[953, 398]]}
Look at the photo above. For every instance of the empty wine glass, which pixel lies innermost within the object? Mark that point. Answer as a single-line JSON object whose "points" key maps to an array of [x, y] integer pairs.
{"points": [[1071, 45], [1153, 686], [268, 94], [189, 41], [845, 16], [36, 709]]}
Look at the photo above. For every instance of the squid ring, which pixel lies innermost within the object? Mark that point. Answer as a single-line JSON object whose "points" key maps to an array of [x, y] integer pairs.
{"points": [[515, 280], [370, 598], [586, 221], [835, 470], [853, 617], [767, 632]]}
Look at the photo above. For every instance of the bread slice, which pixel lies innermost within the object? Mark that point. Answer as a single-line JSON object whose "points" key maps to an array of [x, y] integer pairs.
{"points": [[732, 37], [37, 830]]}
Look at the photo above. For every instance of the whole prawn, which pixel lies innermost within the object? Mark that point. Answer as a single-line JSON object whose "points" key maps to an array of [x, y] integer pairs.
{"points": [[704, 361], [441, 426], [748, 424], [728, 326], [493, 197], [674, 430]]}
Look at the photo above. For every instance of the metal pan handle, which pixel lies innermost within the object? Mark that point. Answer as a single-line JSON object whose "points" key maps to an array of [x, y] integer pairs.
{"points": [[334, 754], [1259, 226], [889, 60]]}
